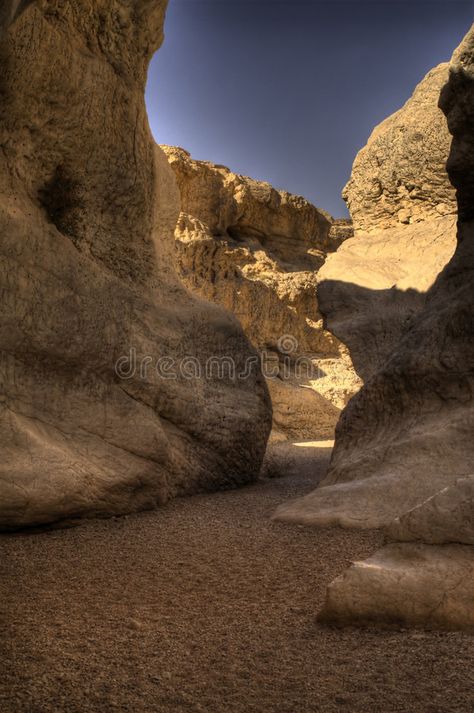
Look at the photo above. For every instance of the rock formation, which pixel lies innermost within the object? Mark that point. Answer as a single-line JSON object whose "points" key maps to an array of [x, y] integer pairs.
{"points": [[373, 287], [404, 448], [9, 11], [398, 441], [448, 516], [257, 251], [91, 302], [400, 177], [403, 208], [406, 585], [425, 577]]}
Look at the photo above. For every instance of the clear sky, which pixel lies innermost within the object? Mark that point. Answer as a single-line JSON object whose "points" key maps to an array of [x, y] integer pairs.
{"points": [[289, 91]]}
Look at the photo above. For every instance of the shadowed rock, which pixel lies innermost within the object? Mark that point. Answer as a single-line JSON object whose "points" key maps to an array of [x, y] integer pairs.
{"points": [[88, 207], [374, 286], [446, 517], [423, 402], [404, 212], [404, 436]]}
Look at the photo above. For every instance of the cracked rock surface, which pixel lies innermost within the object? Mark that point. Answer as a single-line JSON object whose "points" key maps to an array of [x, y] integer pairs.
{"points": [[406, 584]]}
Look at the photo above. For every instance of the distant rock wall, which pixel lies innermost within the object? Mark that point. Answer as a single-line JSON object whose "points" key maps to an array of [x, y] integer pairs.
{"points": [[257, 251]]}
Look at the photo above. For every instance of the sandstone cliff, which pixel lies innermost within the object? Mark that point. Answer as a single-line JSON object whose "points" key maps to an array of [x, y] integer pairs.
{"points": [[257, 251], [372, 291], [88, 207], [404, 447]]}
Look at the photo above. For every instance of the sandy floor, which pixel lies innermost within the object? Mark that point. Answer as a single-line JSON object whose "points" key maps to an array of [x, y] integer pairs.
{"points": [[207, 606]]}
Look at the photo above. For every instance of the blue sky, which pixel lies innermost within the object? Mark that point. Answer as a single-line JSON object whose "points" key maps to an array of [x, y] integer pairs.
{"points": [[288, 92]]}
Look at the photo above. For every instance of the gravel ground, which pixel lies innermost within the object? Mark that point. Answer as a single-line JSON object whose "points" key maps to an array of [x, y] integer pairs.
{"points": [[207, 606]]}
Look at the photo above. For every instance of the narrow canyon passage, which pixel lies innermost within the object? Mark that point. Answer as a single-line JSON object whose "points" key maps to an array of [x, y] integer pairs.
{"points": [[207, 605]]}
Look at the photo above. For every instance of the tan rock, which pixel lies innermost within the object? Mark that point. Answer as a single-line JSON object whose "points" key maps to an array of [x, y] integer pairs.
{"points": [[417, 415], [9, 10], [88, 208], [256, 251], [404, 436], [448, 516], [406, 585], [399, 177], [253, 249], [375, 284], [428, 584], [372, 288]]}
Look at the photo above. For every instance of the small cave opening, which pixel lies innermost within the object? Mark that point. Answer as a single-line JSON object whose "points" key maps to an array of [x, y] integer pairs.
{"points": [[62, 199]]}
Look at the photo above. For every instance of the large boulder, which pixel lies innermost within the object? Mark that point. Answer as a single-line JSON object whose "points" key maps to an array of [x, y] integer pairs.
{"points": [[99, 412], [406, 585], [256, 251], [423, 577], [406, 434], [448, 516]]}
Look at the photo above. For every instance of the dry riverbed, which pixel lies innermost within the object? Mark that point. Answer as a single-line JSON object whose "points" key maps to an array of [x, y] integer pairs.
{"points": [[208, 606]]}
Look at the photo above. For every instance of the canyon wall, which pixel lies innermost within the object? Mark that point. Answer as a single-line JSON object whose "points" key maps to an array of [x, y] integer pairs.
{"points": [[399, 177], [398, 441], [98, 413], [286, 268], [404, 448], [257, 251], [404, 212]]}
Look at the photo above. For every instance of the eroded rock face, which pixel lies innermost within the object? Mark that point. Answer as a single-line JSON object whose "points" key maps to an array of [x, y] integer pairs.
{"points": [[399, 177], [448, 516], [88, 207], [405, 435], [257, 251], [425, 577], [405, 442], [9, 10], [403, 207], [374, 286]]}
